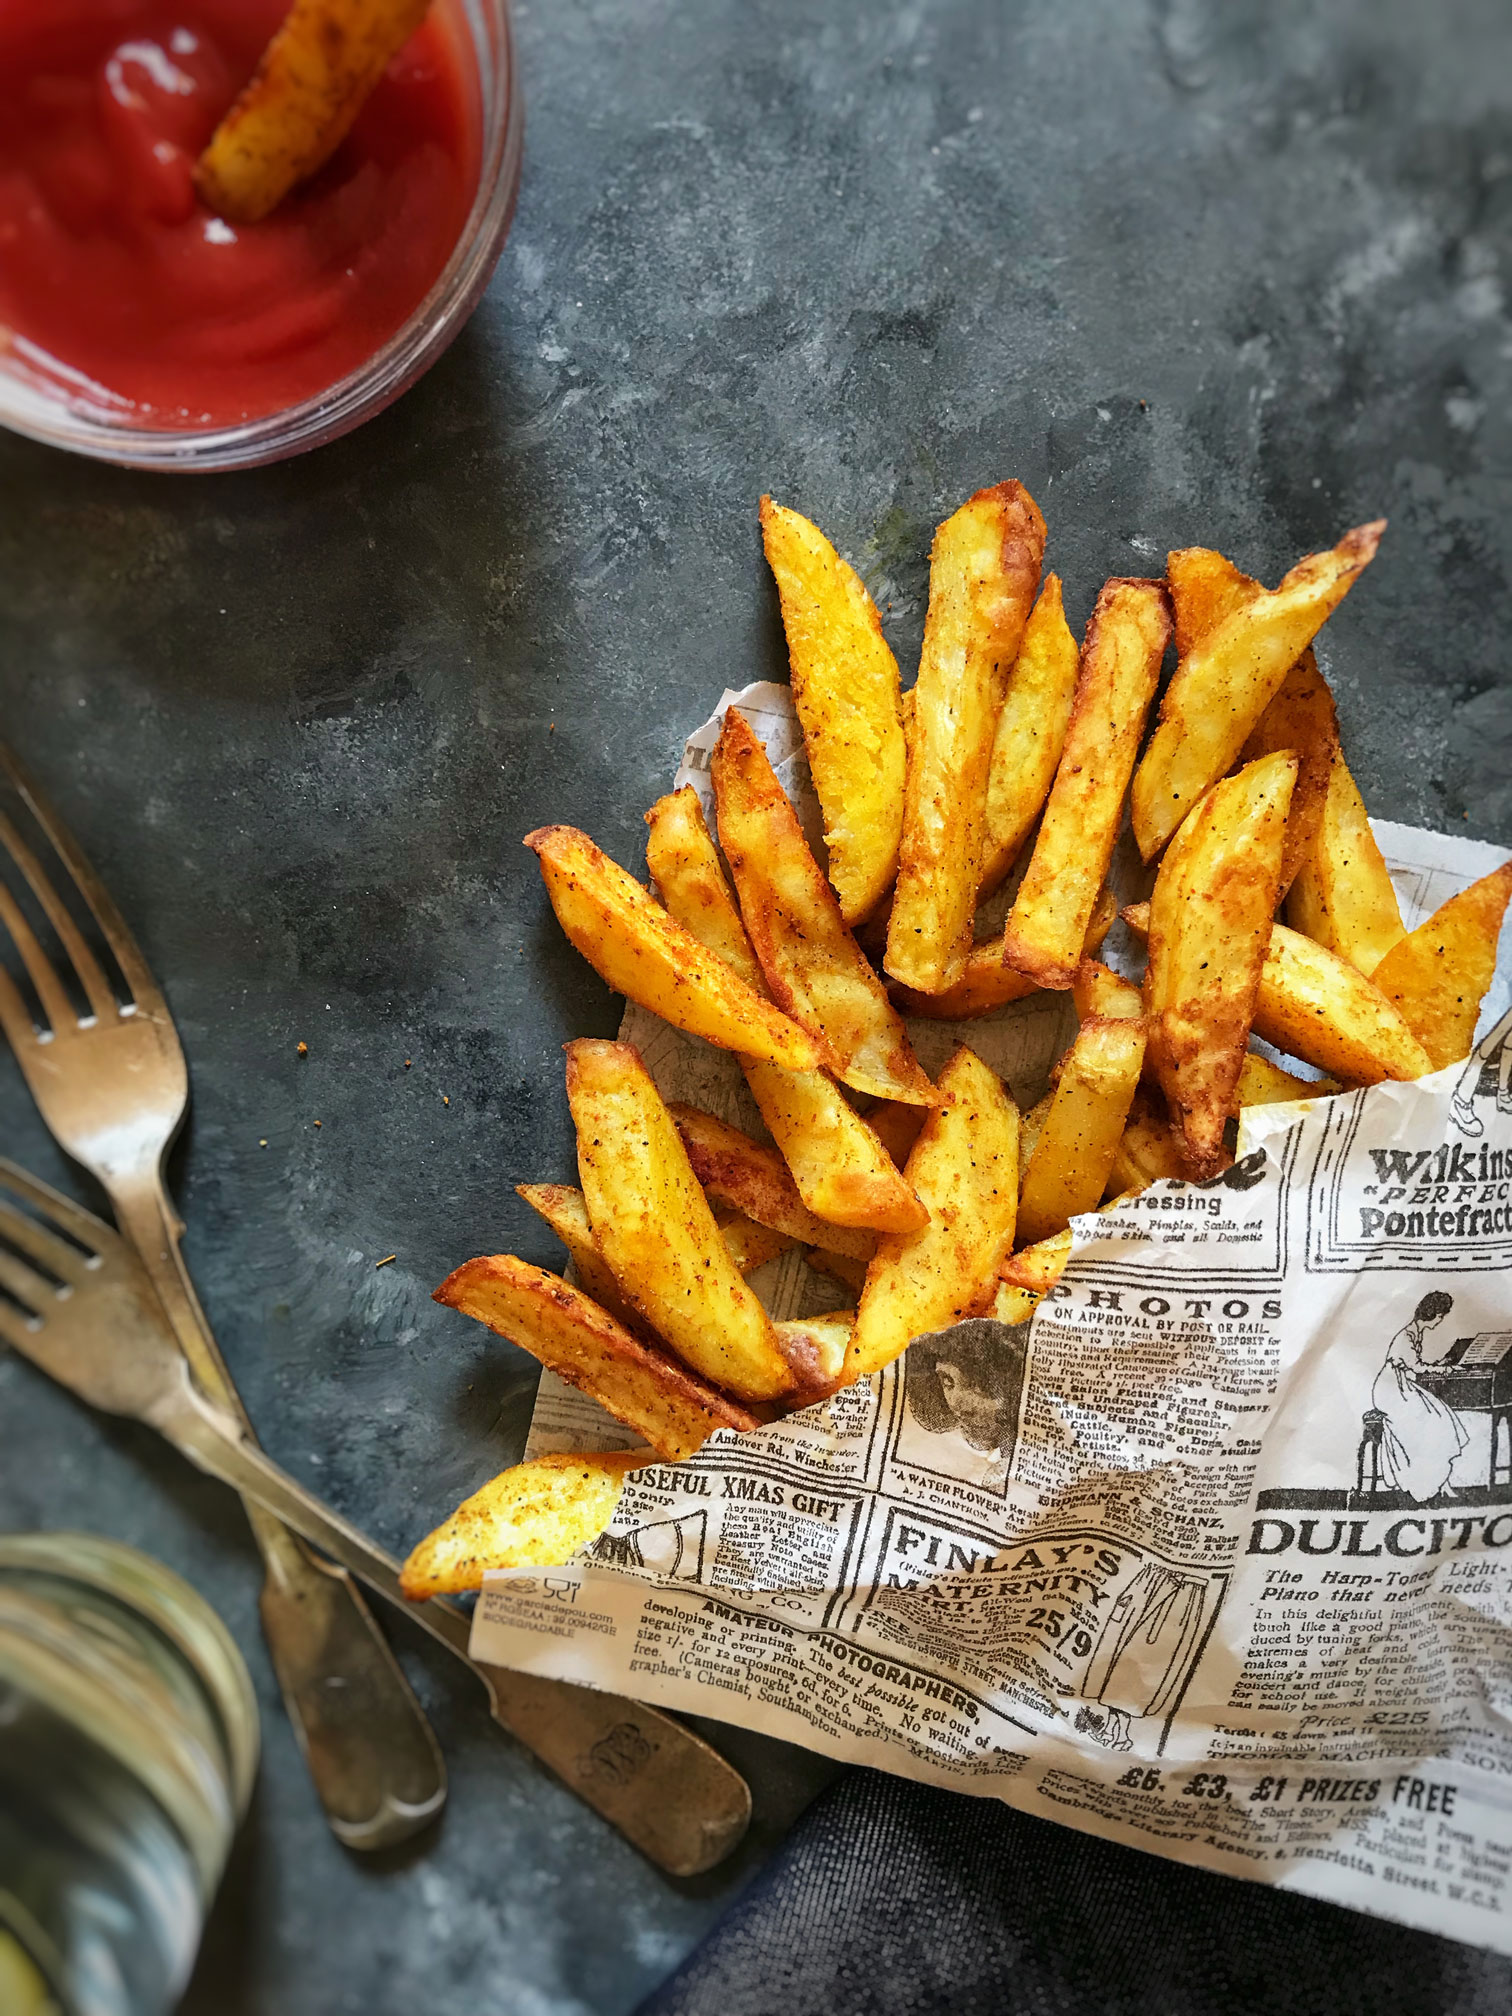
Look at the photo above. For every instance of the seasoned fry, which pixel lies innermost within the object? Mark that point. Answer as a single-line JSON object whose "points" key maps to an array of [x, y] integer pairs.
{"points": [[1031, 732], [965, 1167], [1262, 1083], [1210, 922], [840, 1267], [1120, 664], [1031, 1126], [536, 1515], [1069, 1167], [897, 1127], [641, 1384], [745, 1176], [1014, 1305], [1300, 718], [1146, 1151], [1206, 589], [751, 1245], [813, 966], [1038, 1268], [815, 1348], [312, 81], [1342, 894], [1315, 1005], [1227, 679], [1437, 976], [631, 942], [843, 1171], [983, 570], [654, 1226], [845, 690], [1105, 995], [566, 1212], [988, 982]]}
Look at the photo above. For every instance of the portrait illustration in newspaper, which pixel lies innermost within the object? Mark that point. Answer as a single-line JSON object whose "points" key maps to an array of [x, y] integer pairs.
{"points": [[962, 1392]]}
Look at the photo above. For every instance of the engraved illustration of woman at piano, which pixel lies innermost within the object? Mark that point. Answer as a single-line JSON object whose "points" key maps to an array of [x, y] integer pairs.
{"points": [[1420, 1439]]}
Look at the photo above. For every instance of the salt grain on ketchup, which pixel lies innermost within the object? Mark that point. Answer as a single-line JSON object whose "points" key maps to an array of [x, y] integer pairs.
{"points": [[114, 274]]}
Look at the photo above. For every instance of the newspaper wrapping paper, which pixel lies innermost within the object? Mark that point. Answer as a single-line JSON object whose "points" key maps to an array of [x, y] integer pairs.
{"points": [[1213, 1558]]}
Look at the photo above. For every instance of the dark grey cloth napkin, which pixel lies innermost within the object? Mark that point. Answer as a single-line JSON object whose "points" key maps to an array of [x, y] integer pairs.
{"points": [[893, 1899]]}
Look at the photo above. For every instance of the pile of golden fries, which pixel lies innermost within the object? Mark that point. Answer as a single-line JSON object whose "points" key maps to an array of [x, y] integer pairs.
{"points": [[1014, 752]]}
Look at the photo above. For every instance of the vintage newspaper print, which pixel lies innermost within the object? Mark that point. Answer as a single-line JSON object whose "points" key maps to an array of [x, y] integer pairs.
{"points": [[1214, 1558]]}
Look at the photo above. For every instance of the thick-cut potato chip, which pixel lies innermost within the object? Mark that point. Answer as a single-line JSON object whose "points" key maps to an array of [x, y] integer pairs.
{"points": [[1342, 894], [815, 1347], [1262, 1083], [630, 941], [1103, 995], [965, 1167], [1120, 665], [312, 81], [641, 1384], [845, 690], [1147, 1152], [1070, 1164], [1300, 718], [813, 965], [1437, 976], [1314, 1005], [1031, 732], [840, 1267], [989, 982], [742, 1174], [1210, 924], [1227, 679], [536, 1515], [566, 1212], [984, 567], [843, 1171], [654, 1226]]}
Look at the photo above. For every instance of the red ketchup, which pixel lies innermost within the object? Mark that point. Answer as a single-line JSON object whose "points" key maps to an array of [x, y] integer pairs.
{"points": [[114, 277]]}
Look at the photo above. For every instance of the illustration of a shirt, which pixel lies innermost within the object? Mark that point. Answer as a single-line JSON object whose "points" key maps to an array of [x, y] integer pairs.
{"points": [[1147, 1644]]}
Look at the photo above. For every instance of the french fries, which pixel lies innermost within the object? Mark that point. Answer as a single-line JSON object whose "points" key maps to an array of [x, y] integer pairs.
{"points": [[1102, 994], [840, 1267], [1342, 894], [843, 1171], [1318, 1007], [1037, 1268], [1120, 664], [631, 942], [984, 569], [746, 1176], [1226, 680], [1437, 976], [314, 78], [897, 1127], [1031, 732], [640, 1383], [654, 1227], [989, 982], [1300, 718], [751, 1245], [845, 689], [964, 1166], [1262, 1083], [536, 1515], [1078, 1141], [1210, 922], [566, 1212], [813, 966], [1146, 1151], [815, 1348], [1014, 1305], [1315, 1005]]}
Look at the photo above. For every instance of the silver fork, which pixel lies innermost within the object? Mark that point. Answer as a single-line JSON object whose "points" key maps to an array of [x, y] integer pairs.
{"points": [[77, 1302], [113, 1087]]}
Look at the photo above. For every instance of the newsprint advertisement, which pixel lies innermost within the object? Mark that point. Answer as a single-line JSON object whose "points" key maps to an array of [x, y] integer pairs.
{"points": [[1214, 1557]]}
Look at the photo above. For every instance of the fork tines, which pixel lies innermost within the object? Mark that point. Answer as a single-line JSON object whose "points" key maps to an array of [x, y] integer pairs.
{"points": [[46, 1249]]}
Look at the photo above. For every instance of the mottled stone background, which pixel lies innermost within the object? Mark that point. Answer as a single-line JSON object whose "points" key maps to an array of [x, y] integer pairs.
{"points": [[1206, 271]]}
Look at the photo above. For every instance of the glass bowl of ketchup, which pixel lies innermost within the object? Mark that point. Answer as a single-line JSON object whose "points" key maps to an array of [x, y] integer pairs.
{"points": [[138, 327]]}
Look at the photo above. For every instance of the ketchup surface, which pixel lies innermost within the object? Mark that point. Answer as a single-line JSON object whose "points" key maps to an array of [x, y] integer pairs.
{"points": [[111, 266]]}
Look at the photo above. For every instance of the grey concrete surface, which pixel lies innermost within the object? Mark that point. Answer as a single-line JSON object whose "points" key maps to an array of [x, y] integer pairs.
{"points": [[1198, 271]]}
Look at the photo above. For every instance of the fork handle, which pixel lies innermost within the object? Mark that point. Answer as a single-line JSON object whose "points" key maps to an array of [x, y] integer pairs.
{"points": [[664, 1788], [373, 1757]]}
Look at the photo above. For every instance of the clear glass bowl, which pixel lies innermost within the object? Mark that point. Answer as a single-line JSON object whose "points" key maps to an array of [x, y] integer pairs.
{"points": [[40, 407]]}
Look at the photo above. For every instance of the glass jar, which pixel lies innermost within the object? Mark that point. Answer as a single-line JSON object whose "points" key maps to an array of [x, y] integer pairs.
{"points": [[128, 1747], [41, 408]]}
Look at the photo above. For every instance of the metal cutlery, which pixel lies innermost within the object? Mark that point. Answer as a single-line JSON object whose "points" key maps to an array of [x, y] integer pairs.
{"points": [[76, 1301], [113, 1087]]}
